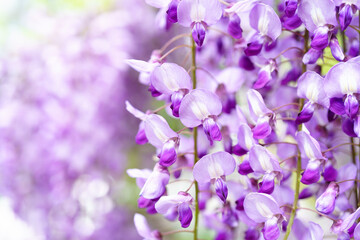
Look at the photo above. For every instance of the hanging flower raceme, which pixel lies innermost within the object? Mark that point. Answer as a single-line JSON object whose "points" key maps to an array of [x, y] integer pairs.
{"points": [[311, 87], [260, 114], [199, 15], [310, 149], [176, 206], [214, 168], [195, 110], [173, 80], [262, 208], [342, 86], [263, 162]]}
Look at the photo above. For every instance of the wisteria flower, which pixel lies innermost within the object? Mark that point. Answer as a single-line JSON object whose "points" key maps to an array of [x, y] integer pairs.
{"points": [[263, 208], [199, 15], [195, 110], [213, 168], [176, 205], [173, 80]]}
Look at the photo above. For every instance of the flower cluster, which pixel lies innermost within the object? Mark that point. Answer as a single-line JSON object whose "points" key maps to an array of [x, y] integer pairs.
{"points": [[266, 116]]}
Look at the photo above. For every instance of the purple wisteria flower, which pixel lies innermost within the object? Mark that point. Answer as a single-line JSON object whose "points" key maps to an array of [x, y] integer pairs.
{"points": [[144, 230], [310, 149], [155, 185], [176, 206], [311, 87], [326, 202], [214, 168], [173, 80], [260, 114], [199, 15], [195, 110], [263, 208]]}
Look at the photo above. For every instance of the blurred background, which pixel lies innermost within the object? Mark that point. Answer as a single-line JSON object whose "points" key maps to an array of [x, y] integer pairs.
{"points": [[66, 139]]}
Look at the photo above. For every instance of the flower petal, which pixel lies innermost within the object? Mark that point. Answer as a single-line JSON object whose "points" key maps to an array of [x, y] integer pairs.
{"points": [[213, 166]]}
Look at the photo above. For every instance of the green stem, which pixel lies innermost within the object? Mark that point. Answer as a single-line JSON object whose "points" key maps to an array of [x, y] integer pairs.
{"points": [[353, 157], [196, 215], [298, 163]]}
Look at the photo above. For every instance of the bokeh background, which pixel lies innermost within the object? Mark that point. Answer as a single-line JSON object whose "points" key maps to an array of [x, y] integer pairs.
{"points": [[66, 139]]}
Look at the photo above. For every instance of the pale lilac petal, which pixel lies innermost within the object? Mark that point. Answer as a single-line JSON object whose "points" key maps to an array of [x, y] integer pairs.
{"points": [[311, 87], [326, 202], [142, 227], [154, 186], [213, 11], [256, 103], [260, 207], [346, 172], [183, 12], [264, 19], [213, 166], [195, 107], [167, 203], [141, 66], [232, 77], [245, 137], [208, 11], [318, 13], [137, 113], [342, 79], [170, 77], [158, 131], [158, 3], [140, 175], [271, 229], [261, 160], [336, 50], [316, 232], [308, 145]]}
